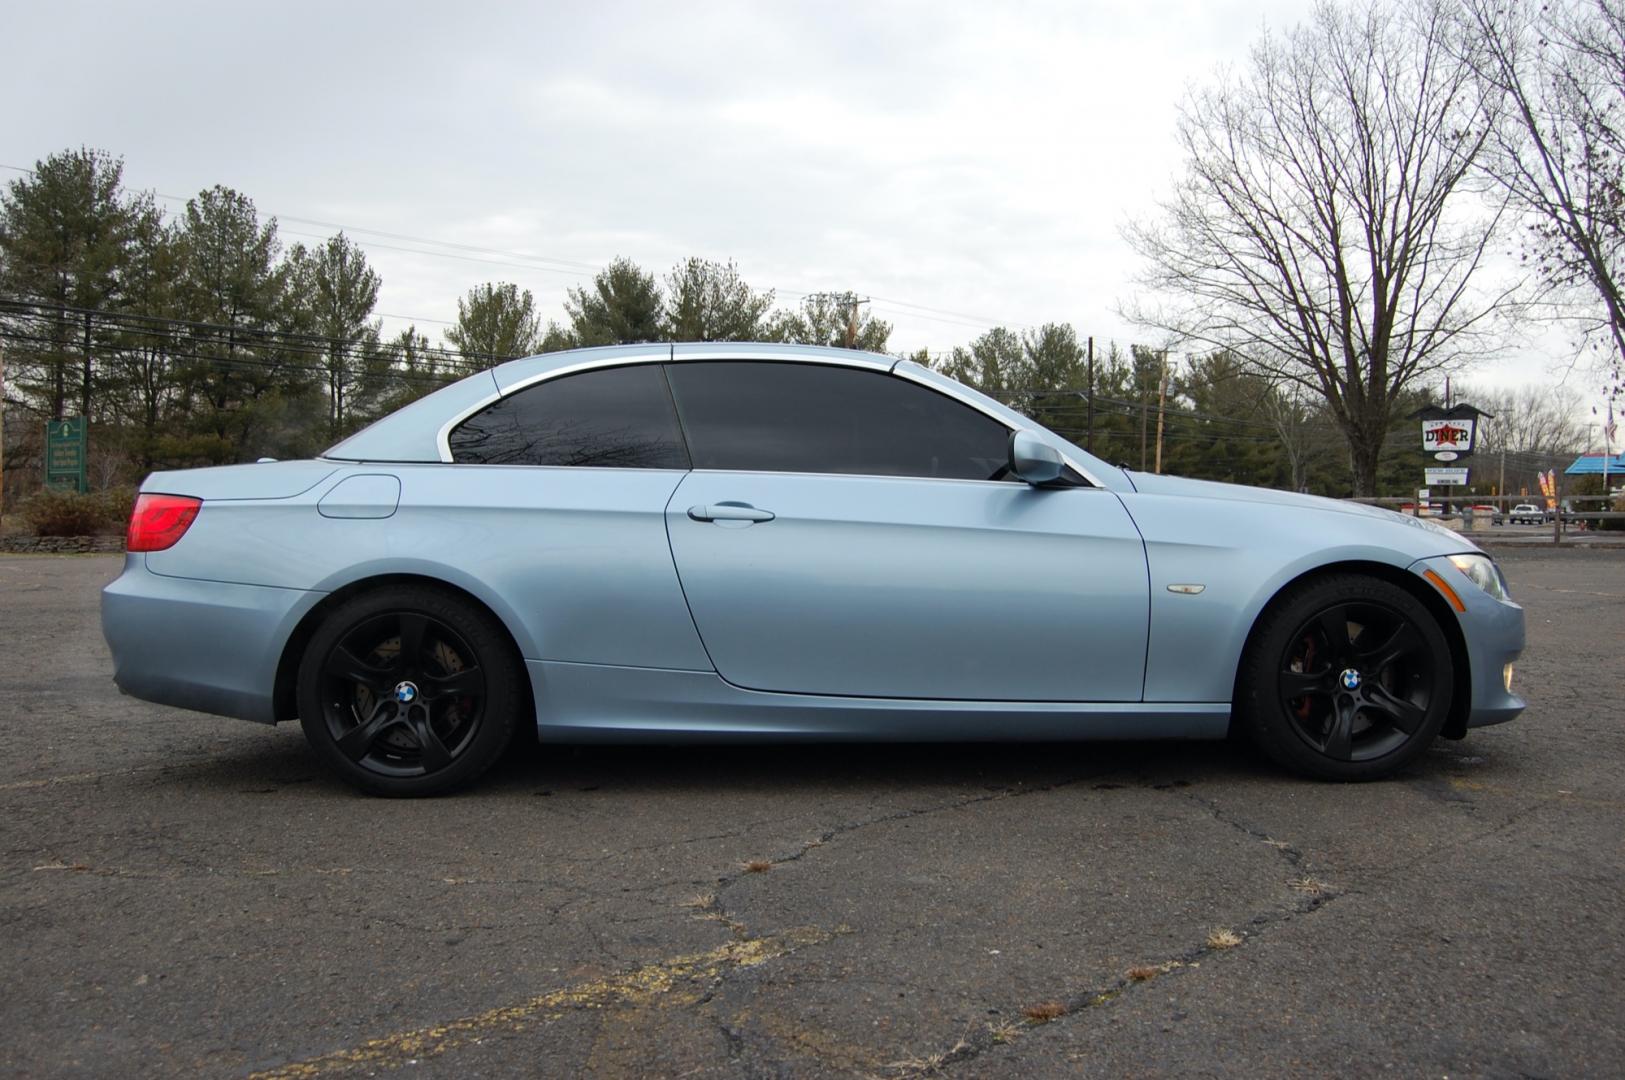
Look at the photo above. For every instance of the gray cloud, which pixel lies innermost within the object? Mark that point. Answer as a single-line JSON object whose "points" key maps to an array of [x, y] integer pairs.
{"points": [[972, 158]]}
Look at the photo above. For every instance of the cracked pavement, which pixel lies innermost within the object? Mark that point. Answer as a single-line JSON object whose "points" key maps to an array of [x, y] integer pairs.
{"points": [[181, 893]]}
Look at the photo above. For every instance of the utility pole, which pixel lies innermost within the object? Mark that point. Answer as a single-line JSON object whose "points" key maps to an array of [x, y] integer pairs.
{"points": [[852, 323], [1162, 400], [1089, 439], [2, 439], [1142, 422]]}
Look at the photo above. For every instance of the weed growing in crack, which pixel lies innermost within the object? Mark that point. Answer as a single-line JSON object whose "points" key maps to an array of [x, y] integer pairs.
{"points": [[930, 1064], [1308, 886], [756, 866], [1044, 1012], [1005, 1032], [1223, 939], [1146, 972]]}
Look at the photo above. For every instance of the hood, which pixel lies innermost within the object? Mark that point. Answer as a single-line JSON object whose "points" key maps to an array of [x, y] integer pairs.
{"points": [[1153, 484]]}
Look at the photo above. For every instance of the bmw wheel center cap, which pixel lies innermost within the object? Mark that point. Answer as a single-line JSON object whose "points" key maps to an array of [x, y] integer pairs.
{"points": [[1350, 679], [406, 692]]}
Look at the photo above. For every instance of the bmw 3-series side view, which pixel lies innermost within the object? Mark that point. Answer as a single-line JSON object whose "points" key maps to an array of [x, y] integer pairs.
{"points": [[766, 542]]}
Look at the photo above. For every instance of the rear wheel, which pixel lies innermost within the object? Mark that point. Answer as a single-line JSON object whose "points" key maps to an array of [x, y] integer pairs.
{"points": [[1347, 678], [409, 690]]}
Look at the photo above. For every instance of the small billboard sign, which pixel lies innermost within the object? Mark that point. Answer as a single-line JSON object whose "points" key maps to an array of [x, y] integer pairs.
{"points": [[65, 446], [1451, 435], [1449, 431], [1445, 477]]}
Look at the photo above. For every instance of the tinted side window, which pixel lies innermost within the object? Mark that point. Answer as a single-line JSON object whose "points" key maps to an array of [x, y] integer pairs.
{"points": [[769, 417], [611, 418]]}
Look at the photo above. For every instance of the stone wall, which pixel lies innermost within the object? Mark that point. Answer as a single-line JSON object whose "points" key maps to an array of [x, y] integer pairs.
{"points": [[61, 545]]}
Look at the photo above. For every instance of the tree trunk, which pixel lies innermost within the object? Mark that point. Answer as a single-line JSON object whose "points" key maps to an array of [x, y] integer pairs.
{"points": [[1364, 456], [59, 362], [84, 401]]}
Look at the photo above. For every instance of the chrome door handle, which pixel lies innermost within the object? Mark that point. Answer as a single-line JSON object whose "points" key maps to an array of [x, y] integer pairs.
{"points": [[729, 511]]}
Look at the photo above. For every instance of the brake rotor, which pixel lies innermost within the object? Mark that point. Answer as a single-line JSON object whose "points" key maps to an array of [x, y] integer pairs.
{"points": [[399, 737]]}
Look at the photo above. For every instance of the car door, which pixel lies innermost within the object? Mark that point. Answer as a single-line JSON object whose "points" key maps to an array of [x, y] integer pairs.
{"points": [[557, 502], [843, 534]]}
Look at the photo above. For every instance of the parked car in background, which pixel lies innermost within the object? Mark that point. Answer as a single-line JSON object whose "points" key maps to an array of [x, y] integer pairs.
{"points": [[741, 542], [1488, 510], [1527, 514]]}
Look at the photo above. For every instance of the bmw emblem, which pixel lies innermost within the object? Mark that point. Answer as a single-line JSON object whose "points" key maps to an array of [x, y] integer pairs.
{"points": [[406, 692], [1350, 679]]}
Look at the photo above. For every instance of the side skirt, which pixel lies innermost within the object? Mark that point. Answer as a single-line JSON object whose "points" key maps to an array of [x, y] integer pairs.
{"points": [[601, 703]]}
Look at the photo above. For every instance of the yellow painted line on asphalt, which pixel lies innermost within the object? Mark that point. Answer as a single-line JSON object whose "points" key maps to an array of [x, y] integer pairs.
{"points": [[1560, 795], [679, 980], [91, 777], [80, 778]]}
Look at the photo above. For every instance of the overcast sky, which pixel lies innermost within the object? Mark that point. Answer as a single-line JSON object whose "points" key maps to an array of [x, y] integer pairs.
{"points": [[966, 165]]}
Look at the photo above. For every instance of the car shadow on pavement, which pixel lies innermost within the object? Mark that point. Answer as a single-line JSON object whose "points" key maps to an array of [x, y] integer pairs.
{"points": [[273, 762]]}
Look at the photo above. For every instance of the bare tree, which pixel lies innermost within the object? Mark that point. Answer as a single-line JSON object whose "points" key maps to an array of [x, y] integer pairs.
{"points": [[1531, 419], [1287, 407], [1323, 227], [1560, 69]]}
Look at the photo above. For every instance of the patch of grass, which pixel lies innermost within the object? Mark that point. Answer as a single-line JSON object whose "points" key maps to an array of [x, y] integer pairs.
{"points": [[1044, 1012], [1005, 1032], [700, 901], [1223, 939], [930, 1064], [1308, 886], [1146, 972], [756, 866]]}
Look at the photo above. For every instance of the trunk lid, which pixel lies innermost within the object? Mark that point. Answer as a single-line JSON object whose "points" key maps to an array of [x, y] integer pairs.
{"points": [[261, 480]]}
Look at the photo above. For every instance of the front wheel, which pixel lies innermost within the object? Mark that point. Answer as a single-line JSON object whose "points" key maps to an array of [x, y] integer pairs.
{"points": [[409, 690], [1347, 677]]}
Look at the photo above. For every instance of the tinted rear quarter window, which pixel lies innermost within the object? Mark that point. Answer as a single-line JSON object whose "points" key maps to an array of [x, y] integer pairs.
{"points": [[609, 418], [775, 417]]}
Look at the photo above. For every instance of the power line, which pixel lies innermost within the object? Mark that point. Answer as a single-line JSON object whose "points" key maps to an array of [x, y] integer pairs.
{"points": [[239, 336], [570, 267]]}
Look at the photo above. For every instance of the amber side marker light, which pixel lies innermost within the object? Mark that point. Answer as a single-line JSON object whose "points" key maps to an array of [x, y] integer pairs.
{"points": [[1444, 587], [158, 521]]}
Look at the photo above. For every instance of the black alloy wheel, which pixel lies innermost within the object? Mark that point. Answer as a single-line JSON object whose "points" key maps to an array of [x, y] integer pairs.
{"points": [[1348, 677], [408, 690]]}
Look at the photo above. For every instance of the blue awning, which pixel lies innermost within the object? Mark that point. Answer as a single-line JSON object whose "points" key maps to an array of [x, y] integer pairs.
{"points": [[1592, 465]]}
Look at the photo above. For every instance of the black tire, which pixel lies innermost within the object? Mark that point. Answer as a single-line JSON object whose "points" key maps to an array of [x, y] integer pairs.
{"points": [[409, 690], [1347, 677]]}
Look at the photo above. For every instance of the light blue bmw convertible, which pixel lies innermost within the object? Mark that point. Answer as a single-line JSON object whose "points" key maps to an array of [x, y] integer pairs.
{"points": [[763, 542]]}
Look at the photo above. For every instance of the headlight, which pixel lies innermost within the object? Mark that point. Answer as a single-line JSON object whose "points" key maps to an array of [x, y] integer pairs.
{"points": [[1483, 572]]}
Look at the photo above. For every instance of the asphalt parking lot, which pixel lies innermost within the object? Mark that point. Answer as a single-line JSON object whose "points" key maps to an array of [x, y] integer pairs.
{"points": [[185, 894]]}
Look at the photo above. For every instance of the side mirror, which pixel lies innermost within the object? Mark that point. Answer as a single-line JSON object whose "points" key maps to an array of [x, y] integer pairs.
{"points": [[1033, 460]]}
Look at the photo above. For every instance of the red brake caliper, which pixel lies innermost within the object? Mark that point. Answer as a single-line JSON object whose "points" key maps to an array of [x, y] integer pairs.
{"points": [[1308, 660]]}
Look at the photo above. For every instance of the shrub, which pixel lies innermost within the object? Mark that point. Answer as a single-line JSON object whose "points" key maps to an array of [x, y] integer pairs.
{"points": [[1617, 504], [67, 513]]}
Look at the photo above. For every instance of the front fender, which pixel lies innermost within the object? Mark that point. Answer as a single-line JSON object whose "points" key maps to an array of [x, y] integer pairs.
{"points": [[1242, 553]]}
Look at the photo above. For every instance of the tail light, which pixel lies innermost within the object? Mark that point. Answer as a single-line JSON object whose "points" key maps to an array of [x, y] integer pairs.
{"points": [[158, 521]]}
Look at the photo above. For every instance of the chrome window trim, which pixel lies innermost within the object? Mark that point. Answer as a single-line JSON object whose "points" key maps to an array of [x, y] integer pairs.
{"points": [[826, 357]]}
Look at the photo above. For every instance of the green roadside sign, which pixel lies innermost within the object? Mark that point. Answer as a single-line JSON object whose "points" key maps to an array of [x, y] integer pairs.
{"points": [[65, 446]]}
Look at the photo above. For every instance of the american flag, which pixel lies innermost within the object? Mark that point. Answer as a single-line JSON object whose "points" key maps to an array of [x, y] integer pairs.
{"points": [[1610, 430]]}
